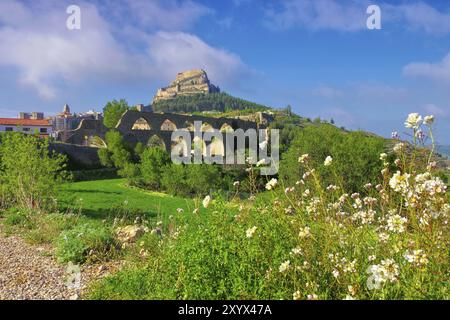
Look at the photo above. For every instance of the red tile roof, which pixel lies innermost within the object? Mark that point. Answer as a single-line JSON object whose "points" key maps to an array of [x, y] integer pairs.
{"points": [[24, 122]]}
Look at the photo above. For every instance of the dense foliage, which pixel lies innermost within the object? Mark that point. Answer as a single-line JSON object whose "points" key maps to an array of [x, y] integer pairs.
{"points": [[356, 155], [113, 111], [29, 172], [205, 102]]}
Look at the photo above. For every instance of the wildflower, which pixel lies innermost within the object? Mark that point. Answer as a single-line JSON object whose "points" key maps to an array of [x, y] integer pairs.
{"points": [[296, 251], [397, 162], [289, 190], [261, 162], [396, 223], [428, 120], [400, 182], [383, 156], [312, 296], [285, 266], [271, 184], [195, 211], [236, 184], [263, 145], [251, 231], [335, 273], [395, 135], [368, 186], [288, 210], [351, 290], [420, 135], [304, 232], [297, 295], [180, 210], [399, 147], [416, 257], [306, 193], [328, 161], [371, 258], [383, 237], [303, 158], [386, 271], [206, 201], [413, 121]]}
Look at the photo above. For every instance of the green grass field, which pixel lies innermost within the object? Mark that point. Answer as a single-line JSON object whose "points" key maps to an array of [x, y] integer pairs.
{"points": [[102, 198]]}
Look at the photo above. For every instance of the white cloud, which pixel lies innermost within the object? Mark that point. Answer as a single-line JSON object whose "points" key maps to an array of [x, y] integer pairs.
{"points": [[435, 110], [165, 49], [350, 15], [165, 14], [318, 15], [439, 71], [47, 56], [419, 16]]}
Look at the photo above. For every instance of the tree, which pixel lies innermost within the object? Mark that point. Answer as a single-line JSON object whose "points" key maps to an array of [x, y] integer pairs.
{"points": [[153, 163], [113, 111], [117, 154], [29, 172]]}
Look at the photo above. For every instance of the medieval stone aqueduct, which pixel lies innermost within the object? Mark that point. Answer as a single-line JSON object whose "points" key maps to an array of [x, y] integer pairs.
{"points": [[145, 127]]}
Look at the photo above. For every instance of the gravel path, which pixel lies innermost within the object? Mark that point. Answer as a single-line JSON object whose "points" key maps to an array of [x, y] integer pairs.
{"points": [[30, 272]]}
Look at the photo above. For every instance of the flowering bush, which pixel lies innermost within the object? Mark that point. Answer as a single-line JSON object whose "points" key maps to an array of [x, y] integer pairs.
{"points": [[310, 240]]}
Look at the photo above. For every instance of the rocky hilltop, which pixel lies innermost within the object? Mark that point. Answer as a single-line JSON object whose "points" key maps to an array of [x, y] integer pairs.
{"points": [[187, 83]]}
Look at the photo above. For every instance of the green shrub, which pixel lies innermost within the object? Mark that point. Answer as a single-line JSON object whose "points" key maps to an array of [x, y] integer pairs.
{"points": [[356, 156], [85, 242]]}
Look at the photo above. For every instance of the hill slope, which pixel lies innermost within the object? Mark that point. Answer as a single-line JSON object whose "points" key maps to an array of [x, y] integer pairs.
{"points": [[205, 102]]}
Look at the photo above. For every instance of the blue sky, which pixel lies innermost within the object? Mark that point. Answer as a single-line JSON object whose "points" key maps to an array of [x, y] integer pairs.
{"points": [[317, 56]]}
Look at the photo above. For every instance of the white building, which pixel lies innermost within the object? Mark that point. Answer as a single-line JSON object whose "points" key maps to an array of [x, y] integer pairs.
{"points": [[43, 127]]}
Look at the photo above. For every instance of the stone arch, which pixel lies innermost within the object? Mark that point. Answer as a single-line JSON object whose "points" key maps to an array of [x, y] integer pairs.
{"points": [[200, 143], [141, 124], [168, 125], [95, 141], [189, 125], [206, 127], [180, 147], [156, 141], [226, 128], [216, 147]]}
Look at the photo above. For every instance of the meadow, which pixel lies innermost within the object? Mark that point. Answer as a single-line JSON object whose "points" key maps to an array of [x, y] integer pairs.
{"points": [[98, 199]]}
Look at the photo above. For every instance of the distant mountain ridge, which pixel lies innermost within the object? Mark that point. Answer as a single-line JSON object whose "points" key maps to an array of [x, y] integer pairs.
{"points": [[444, 150]]}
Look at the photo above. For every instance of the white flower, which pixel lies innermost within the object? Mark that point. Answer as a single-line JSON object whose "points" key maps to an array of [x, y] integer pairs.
{"points": [[271, 184], [335, 273], [261, 162], [383, 156], [328, 161], [236, 184], [312, 296], [400, 182], [297, 295], [387, 271], [304, 232], [413, 121], [180, 210], [396, 223], [303, 158], [416, 257], [206, 201], [285, 266], [263, 145], [296, 251], [399, 147], [428, 120], [251, 231]]}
